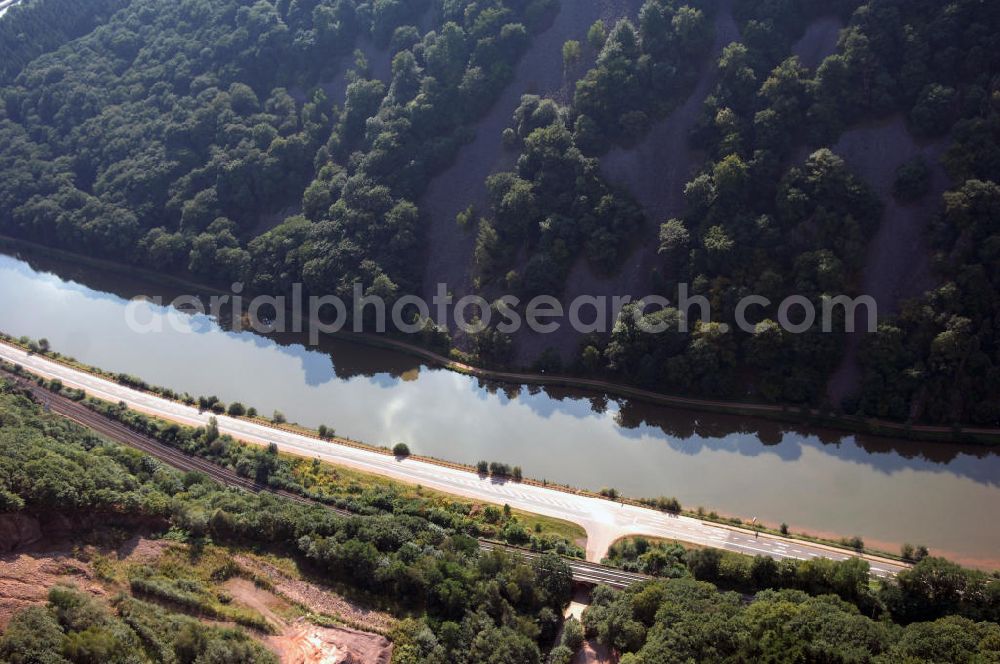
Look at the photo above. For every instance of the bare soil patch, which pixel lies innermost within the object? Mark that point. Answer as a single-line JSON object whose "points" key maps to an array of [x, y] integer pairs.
{"points": [[25, 579], [819, 41], [540, 71], [142, 550], [305, 643], [320, 600], [897, 264], [299, 641], [267, 604], [40, 551], [593, 652]]}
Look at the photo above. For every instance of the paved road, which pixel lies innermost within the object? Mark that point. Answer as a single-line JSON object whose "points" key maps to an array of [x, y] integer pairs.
{"points": [[604, 521], [583, 572]]}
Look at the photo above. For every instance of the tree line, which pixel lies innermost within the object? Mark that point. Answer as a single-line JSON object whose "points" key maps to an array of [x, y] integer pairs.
{"points": [[762, 219], [688, 620], [169, 137], [476, 606]]}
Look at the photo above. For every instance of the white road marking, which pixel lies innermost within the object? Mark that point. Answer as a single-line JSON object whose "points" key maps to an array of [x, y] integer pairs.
{"points": [[604, 521]]}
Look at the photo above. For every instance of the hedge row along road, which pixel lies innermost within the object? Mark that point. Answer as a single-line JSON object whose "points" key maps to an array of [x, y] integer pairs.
{"points": [[605, 521], [583, 572]]}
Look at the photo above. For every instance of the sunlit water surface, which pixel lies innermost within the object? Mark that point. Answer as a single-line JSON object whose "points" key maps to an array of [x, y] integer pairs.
{"points": [[887, 491]]}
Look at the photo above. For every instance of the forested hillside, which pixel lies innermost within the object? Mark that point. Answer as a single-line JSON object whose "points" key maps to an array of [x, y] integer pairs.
{"points": [[688, 620], [165, 135], [773, 211], [478, 607], [33, 28], [256, 141], [473, 607]]}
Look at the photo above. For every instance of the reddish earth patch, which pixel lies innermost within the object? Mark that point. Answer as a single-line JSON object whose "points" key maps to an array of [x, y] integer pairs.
{"points": [[299, 641], [25, 579], [27, 575], [319, 600], [593, 652], [304, 643], [142, 550], [266, 604]]}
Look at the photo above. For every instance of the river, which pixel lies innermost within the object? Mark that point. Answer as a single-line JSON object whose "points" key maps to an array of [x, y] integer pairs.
{"points": [[823, 482], [5, 5]]}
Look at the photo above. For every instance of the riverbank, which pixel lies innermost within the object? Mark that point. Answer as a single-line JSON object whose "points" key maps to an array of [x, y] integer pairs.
{"points": [[7, 5], [774, 412], [735, 526]]}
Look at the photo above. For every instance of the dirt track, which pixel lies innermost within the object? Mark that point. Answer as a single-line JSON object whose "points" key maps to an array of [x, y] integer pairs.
{"points": [[299, 641]]}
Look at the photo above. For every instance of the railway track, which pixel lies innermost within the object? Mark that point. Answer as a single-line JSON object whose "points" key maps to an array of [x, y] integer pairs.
{"points": [[583, 572], [120, 433]]}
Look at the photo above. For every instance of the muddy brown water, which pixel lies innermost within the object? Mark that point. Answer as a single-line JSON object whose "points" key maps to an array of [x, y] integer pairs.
{"points": [[885, 490]]}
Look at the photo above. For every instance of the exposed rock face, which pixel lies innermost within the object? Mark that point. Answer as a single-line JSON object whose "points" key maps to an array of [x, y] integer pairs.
{"points": [[24, 530], [18, 531]]}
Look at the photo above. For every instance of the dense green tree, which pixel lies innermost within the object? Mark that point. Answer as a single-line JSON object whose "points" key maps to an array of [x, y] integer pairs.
{"points": [[912, 180], [501, 607], [695, 622]]}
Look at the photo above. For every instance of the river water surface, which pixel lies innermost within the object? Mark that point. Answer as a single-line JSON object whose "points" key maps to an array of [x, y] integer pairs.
{"points": [[886, 491]]}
